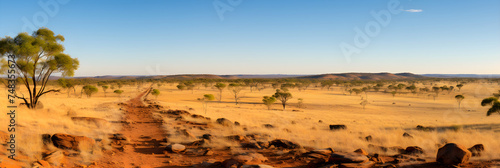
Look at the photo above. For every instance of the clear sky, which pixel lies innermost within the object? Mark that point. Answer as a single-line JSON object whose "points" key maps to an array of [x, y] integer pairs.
{"points": [[131, 37]]}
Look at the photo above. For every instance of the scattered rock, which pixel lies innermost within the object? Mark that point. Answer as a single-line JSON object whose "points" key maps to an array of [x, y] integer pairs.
{"points": [[55, 158], [422, 128], [230, 163], [257, 166], [316, 163], [337, 127], [368, 138], [339, 157], [281, 143], [268, 126], [236, 138], [361, 151], [407, 135], [41, 164], [224, 122], [367, 164], [176, 148], [320, 121], [414, 150], [253, 145], [66, 141], [453, 154], [207, 136], [208, 153], [319, 153], [236, 123], [476, 149]]}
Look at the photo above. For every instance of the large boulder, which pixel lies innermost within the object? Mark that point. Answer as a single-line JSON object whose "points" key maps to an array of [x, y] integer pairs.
{"points": [[453, 154], [66, 141], [414, 150], [176, 148], [224, 122], [476, 149], [281, 143]]}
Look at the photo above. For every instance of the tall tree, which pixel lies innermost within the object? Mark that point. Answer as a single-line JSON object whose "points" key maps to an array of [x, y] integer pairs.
{"points": [[221, 87], [459, 99], [235, 89], [268, 101], [37, 57], [283, 96], [89, 90], [104, 88]]}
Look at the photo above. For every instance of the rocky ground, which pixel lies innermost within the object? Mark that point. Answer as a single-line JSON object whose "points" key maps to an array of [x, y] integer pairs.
{"points": [[143, 142]]}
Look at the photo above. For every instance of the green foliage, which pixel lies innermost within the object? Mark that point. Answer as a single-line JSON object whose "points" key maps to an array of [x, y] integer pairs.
{"points": [[495, 105], [282, 95], [459, 86], [119, 92], [208, 97], [89, 90], [155, 93], [220, 86], [269, 101], [181, 86], [37, 57]]}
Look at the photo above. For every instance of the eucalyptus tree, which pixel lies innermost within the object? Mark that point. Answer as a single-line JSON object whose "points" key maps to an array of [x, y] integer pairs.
{"points": [[268, 101], [459, 86], [36, 57], [494, 103], [459, 99], [89, 90], [155, 93], [282, 95], [104, 88], [220, 87], [204, 100], [235, 89], [66, 84]]}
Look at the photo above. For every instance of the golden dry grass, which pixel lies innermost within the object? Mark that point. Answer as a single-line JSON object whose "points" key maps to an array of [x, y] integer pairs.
{"points": [[383, 120]]}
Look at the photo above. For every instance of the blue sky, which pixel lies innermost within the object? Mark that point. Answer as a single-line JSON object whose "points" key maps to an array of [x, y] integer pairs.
{"points": [[266, 37]]}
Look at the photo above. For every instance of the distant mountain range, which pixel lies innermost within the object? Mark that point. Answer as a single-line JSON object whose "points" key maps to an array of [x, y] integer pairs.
{"points": [[462, 75], [339, 76], [333, 76]]}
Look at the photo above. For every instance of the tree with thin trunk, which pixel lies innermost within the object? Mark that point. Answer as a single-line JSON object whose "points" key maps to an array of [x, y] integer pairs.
{"points": [[494, 103], [155, 93], [36, 57], [89, 90], [66, 84], [364, 103], [104, 88], [459, 99], [204, 101], [235, 89], [268, 101], [283, 96], [221, 87], [459, 86]]}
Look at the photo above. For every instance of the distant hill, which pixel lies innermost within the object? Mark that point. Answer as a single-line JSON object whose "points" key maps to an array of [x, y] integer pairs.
{"points": [[462, 75], [365, 76], [339, 76]]}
